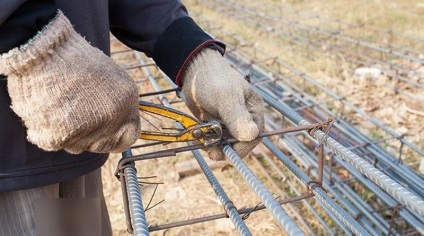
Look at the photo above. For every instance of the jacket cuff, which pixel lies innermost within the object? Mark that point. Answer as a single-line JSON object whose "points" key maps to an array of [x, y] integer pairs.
{"points": [[178, 44]]}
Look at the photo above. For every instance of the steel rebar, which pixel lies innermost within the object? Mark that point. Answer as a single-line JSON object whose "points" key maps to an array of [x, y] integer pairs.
{"points": [[286, 222], [320, 194], [400, 193], [139, 222]]}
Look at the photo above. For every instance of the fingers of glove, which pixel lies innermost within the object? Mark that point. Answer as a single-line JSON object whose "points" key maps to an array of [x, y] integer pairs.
{"points": [[239, 120], [244, 148], [125, 136], [215, 153], [118, 143], [241, 148], [102, 123], [256, 108], [115, 137], [131, 131]]}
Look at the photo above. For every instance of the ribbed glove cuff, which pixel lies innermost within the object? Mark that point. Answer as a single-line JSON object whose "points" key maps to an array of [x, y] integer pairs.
{"points": [[20, 60]]}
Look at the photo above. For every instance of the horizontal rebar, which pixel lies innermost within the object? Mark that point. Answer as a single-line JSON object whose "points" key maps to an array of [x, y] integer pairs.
{"points": [[245, 212]]}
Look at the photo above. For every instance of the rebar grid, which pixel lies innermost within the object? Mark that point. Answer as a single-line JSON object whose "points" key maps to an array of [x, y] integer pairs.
{"points": [[333, 185], [415, 203], [393, 188], [283, 218], [276, 210], [412, 220], [407, 39], [375, 149], [369, 219]]}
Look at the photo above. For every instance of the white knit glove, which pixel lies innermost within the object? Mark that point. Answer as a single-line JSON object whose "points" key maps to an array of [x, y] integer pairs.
{"points": [[216, 91], [69, 94]]}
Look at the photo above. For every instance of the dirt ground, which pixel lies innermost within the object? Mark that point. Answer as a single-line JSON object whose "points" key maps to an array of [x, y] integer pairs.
{"points": [[191, 197]]}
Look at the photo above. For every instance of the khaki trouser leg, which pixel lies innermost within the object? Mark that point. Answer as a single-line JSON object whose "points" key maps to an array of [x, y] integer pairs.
{"points": [[18, 208], [89, 186], [17, 212]]}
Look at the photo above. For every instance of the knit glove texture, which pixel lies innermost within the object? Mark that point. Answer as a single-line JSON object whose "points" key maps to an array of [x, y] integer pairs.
{"points": [[216, 91], [69, 94]]}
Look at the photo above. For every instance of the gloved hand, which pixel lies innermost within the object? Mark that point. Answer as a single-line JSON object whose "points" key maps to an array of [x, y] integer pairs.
{"points": [[69, 94], [216, 91]]}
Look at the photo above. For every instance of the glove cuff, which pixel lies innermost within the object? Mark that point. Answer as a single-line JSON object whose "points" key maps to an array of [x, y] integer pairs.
{"points": [[20, 60]]}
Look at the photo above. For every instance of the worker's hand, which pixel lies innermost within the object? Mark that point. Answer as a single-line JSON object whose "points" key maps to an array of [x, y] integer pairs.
{"points": [[69, 94], [216, 91]]}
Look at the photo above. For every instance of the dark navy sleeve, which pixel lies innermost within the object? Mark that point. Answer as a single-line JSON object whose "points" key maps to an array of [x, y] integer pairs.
{"points": [[178, 44], [162, 30], [23, 21]]}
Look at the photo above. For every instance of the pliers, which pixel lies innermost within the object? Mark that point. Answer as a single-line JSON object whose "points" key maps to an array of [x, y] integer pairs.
{"points": [[207, 133]]}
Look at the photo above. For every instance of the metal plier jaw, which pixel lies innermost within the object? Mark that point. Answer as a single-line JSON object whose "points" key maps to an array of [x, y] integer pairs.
{"points": [[212, 134], [208, 133]]}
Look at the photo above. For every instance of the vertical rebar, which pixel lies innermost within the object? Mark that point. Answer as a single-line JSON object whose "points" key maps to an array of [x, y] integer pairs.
{"points": [[296, 191], [138, 216], [320, 164]]}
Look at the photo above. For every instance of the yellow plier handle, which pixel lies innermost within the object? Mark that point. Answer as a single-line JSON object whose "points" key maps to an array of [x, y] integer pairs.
{"points": [[191, 134], [207, 133], [185, 119]]}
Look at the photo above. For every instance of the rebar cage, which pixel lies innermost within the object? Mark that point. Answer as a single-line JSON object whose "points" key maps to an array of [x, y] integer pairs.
{"points": [[317, 167]]}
